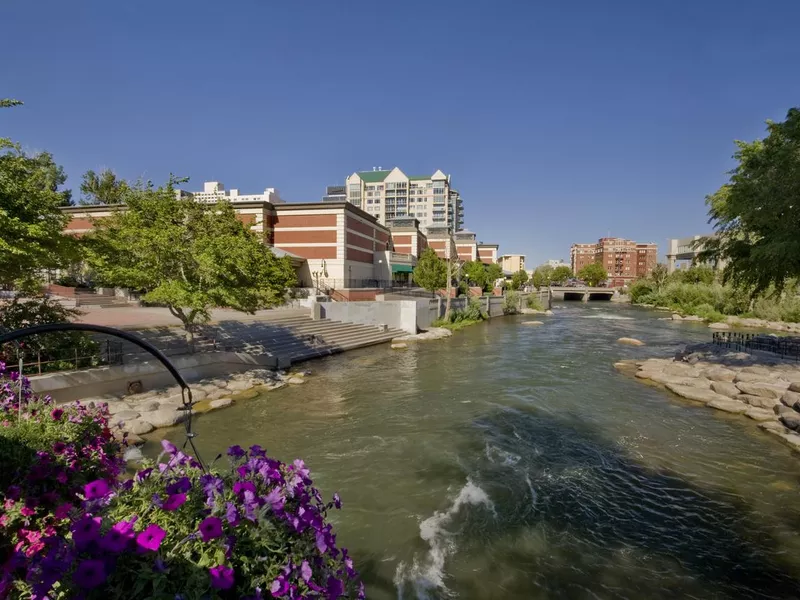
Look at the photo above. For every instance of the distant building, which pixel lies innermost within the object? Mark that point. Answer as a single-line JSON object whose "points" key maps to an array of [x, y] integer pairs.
{"points": [[511, 263], [624, 260], [686, 250], [487, 253], [335, 193], [214, 191], [556, 263], [389, 195]]}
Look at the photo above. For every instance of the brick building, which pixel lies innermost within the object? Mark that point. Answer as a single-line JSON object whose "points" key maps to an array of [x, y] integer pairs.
{"points": [[624, 260]]}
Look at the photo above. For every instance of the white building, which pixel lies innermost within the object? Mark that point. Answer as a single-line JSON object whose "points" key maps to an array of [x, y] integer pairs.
{"points": [[388, 195], [214, 191], [556, 263]]}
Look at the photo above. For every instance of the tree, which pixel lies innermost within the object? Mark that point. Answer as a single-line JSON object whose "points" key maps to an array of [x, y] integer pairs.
{"points": [[561, 274], [493, 273], [431, 271], [519, 279], [190, 257], [659, 275], [756, 215], [593, 274], [8, 103], [475, 273], [31, 224], [542, 276], [104, 188]]}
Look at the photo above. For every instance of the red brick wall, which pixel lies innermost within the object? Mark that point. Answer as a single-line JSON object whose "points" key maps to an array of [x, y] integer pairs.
{"points": [[359, 227], [287, 236], [312, 251], [359, 255], [357, 240], [79, 223], [248, 219], [283, 221]]}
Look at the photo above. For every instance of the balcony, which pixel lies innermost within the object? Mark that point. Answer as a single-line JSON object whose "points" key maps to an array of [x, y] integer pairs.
{"points": [[398, 258]]}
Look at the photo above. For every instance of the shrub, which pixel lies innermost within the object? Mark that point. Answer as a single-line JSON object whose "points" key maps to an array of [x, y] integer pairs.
{"points": [[534, 303], [473, 311], [709, 313], [510, 302], [639, 289]]}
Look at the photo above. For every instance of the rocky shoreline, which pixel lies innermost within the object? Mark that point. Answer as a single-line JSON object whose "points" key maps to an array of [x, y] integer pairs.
{"points": [[760, 387], [731, 322], [140, 414]]}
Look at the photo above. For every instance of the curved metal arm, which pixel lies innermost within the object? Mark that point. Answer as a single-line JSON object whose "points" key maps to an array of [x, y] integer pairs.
{"points": [[186, 392]]}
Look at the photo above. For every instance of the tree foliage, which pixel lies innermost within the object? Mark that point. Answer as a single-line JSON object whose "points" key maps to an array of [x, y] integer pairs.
{"points": [[756, 215], [542, 276], [103, 188], [431, 271], [519, 279], [493, 273], [659, 275], [31, 224], [188, 256], [561, 274], [475, 273], [593, 274]]}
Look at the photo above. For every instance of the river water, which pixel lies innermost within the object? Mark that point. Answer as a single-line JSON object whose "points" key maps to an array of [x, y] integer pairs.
{"points": [[516, 462]]}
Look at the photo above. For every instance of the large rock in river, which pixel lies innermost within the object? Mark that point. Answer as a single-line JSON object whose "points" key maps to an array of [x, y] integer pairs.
{"points": [[695, 393], [794, 386], [791, 421], [630, 341], [164, 417], [763, 388], [718, 326], [759, 414], [728, 405], [726, 388], [790, 398], [719, 374], [758, 401]]}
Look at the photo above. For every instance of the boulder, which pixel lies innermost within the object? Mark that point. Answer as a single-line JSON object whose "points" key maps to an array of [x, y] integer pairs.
{"points": [[726, 388], [548, 312], [728, 405], [757, 370], [630, 341], [137, 426], [794, 386], [238, 385], [791, 421], [532, 323], [698, 382], [759, 414], [164, 417], [748, 377], [780, 410], [758, 401], [763, 388], [792, 439], [117, 406], [275, 385], [399, 346], [221, 403], [676, 317], [692, 318], [247, 394], [719, 374], [790, 399], [295, 380], [530, 311], [681, 369], [134, 440], [694, 393], [718, 326], [773, 427], [125, 415], [148, 406], [198, 394]]}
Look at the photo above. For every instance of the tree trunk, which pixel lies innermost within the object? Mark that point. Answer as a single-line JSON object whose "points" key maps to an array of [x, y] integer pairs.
{"points": [[449, 288], [188, 324]]}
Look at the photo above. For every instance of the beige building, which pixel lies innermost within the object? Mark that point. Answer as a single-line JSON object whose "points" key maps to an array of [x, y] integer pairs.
{"points": [[214, 191], [511, 263], [388, 195]]}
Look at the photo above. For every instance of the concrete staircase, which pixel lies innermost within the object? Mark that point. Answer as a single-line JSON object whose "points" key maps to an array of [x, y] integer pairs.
{"points": [[289, 337]]}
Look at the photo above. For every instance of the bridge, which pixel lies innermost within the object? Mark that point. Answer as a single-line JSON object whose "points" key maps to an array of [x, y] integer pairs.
{"points": [[583, 293]]}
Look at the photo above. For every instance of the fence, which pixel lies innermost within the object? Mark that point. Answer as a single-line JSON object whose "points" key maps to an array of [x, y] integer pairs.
{"points": [[38, 361], [785, 347]]}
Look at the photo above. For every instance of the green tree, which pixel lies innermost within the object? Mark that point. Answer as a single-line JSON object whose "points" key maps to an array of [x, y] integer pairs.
{"points": [[431, 271], [8, 103], [519, 279], [475, 273], [561, 274], [103, 188], [190, 257], [31, 224], [659, 276], [756, 215], [542, 276], [493, 273], [593, 274]]}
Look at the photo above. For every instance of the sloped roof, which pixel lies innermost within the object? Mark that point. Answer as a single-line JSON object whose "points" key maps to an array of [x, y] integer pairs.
{"points": [[373, 176]]}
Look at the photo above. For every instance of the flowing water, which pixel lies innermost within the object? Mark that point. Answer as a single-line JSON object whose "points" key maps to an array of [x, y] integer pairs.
{"points": [[515, 462]]}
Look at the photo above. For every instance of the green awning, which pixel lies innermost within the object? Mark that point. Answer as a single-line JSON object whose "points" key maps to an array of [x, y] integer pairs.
{"points": [[402, 269]]}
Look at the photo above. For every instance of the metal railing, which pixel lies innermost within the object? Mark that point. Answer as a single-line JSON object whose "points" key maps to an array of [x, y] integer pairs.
{"points": [[785, 347], [41, 360]]}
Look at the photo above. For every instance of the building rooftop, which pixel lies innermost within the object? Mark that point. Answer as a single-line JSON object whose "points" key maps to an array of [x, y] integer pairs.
{"points": [[373, 176]]}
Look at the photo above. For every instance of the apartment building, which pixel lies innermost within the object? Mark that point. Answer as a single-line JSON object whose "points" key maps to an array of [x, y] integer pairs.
{"points": [[487, 253], [214, 191], [624, 260], [335, 193], [511, 263], [388, 195]]}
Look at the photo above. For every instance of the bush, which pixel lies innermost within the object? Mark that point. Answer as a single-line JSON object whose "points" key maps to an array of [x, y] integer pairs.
{"points": [[709, 313], [510, 302], [639, 289], [534, 303]]}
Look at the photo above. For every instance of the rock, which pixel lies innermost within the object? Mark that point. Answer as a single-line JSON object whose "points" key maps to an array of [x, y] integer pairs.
{"points": [[246, 395], [295, 380], [692, 318], [117, 406], [125, 415], [137, 426], [201, 407], [630, 341], [728, 405], [718, 326], [238, 385], [697, 394], [791, 421], [772, 427], [275, 385], [762, 388], [756, 370], [221, 403], [758, 401], [780, 410], [676, 317], [794, 386], [681, 369], [164, 417], [133, 454], [548, 312], [217, 393], [532, 323], [792, 439], [759, 414], [790, 398], [148, 406], [698, 382], [719, 374], [531, 311], [748, 377], [397, 346], [726, 388], [198, 394], [134, 440]]}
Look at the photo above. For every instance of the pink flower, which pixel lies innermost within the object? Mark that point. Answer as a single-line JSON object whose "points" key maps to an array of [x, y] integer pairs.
{"points": [[221, 577], [210, 528], [151, 538], [27, 512], [174, 501], [56, 414]]}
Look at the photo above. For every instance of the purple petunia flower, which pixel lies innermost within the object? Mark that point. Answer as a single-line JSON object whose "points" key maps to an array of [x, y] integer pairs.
{"points": [[322, 545], [221, 577], [59, 447], [150, 539], [256, 450], [240, 487], [305, 571], [118, 537], [231, 514], [181, 486], [279, 587], [275, 499], [211, 484], [210, 528], [174, 502], [335, 589], [159, 566], [95, 489], [56, 414], [85, 531], [169, 447], [90, 574], [143, 474], [250, 506], [337, 501], [236, 451]]}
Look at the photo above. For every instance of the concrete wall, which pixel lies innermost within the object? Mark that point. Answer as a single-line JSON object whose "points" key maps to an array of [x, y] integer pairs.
{"points": [[75, 385], [397, 314]]}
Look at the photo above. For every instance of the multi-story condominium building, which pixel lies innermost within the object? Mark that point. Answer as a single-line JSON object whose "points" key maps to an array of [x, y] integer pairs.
{"points": [[511, 263], [335, 193], [388, 195], [214, 191], [624, 260]]}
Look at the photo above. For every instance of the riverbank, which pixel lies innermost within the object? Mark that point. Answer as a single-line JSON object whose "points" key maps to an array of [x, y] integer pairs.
{"points": [[731, 321], [761, 387]]}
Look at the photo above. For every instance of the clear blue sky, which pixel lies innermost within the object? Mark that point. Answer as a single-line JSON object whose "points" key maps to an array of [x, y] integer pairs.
{"points": [[559, 122]]}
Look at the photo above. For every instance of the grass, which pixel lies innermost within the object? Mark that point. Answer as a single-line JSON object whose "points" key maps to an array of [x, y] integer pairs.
{"points": [[455, 326]]}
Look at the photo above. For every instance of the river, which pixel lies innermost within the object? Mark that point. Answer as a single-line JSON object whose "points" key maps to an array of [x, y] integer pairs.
{"points": [[515, 462]]}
